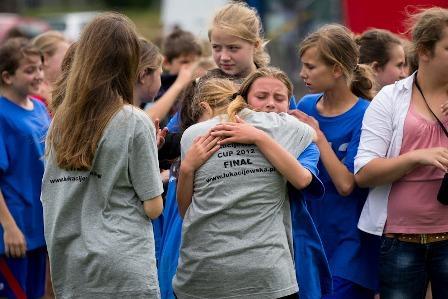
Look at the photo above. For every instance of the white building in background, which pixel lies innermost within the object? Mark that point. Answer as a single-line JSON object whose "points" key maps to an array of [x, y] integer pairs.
{"points": [[191, 15]]}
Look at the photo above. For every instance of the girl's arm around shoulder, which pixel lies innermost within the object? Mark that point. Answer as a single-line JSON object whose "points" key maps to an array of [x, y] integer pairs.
{"points": [[279, 157]]}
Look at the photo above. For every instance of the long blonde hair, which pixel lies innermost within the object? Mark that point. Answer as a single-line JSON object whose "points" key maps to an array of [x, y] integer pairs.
{"points": [[240, 20], [337, 47], [101, 80]]}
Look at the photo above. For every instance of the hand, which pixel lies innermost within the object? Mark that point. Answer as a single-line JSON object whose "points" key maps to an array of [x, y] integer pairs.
{"points": [[237, 132], [186, 74], [15, 243], [309, 120], [202, 149], [160, 134], [436, 156], [445, 109], [165, 175]]}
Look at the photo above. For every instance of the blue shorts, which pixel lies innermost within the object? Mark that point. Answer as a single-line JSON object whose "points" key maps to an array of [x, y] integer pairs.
{"points": [[23, 277], [346, 289]]}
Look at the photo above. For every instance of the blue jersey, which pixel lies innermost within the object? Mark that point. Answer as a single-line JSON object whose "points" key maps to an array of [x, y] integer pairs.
{"points": [[311, 264], [22, 134], [352, 254]]}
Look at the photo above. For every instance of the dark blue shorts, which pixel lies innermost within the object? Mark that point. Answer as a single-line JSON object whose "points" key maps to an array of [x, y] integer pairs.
{"points": [[23, 277]]}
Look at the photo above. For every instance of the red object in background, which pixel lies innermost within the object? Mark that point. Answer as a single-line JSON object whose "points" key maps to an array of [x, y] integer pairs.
{"points": [[360, 15]]}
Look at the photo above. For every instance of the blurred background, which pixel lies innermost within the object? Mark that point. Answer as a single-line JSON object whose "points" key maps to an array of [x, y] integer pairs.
{"points": [[285, 22]]}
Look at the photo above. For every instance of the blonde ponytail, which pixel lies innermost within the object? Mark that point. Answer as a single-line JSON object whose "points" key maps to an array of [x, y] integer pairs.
{"points": [[235, 107]]}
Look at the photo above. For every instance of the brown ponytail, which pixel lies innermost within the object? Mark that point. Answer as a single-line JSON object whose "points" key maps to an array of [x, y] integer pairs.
{"points": [[362, 84]]}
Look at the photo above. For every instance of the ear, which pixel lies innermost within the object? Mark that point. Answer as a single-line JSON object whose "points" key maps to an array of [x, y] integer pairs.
{"points": [[6, 78], [207, 109], [375, 66], [166, 64], [337, 71], [141, 77], [424, 55]]}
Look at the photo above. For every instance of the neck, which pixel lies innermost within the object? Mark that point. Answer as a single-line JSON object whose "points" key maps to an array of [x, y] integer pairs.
{"points": [[137, 98], [249, 71], [430, 82], [20, 100], [338, 97]]}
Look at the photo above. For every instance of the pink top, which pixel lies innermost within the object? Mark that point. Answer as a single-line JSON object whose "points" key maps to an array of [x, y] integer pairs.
{"points": [[413, 206]]}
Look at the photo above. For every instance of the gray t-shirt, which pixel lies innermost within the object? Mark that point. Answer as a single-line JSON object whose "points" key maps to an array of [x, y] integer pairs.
{"points": [[234, 239], [99, 239]]}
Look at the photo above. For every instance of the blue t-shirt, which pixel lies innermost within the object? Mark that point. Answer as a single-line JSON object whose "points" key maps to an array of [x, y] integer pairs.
{"points": [[22, 134], [352, 254]]}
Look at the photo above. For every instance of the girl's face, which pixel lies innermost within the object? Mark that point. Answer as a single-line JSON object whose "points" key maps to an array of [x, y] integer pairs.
{"points": [[268, 94], [394, 69], [150, 85], [318, 76], [233, 55], [438, 59], [52, 64], [28, 76]]}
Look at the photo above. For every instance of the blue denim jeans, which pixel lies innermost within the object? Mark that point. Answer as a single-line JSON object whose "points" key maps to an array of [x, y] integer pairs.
{"points": [[406, 268]]}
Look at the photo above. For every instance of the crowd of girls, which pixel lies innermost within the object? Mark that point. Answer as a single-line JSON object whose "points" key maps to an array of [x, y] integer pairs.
{"points": [[266, 197]]}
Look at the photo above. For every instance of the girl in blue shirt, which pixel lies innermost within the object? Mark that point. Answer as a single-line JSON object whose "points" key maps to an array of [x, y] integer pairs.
{"points": [[341, 90]]}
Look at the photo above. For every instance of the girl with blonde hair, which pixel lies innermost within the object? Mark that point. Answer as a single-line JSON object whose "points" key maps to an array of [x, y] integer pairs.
{"points": [[53, 46], [235, 239], [237, 43], [101, 182]]}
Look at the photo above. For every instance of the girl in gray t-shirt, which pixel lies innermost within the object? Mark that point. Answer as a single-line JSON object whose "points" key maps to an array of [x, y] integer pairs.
{"points": [[235, 239], [101, 182]]}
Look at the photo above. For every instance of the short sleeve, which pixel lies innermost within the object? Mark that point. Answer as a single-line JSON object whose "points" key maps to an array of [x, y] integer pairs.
{"points": [[143, 162], [310, 157]]}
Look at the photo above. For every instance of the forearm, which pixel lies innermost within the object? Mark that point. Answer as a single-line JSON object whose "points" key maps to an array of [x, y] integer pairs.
{"points": [[382, 171], [284, 162], [342, 178], [163, 105], [6, 218], [153, 207], [184, 188]]}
